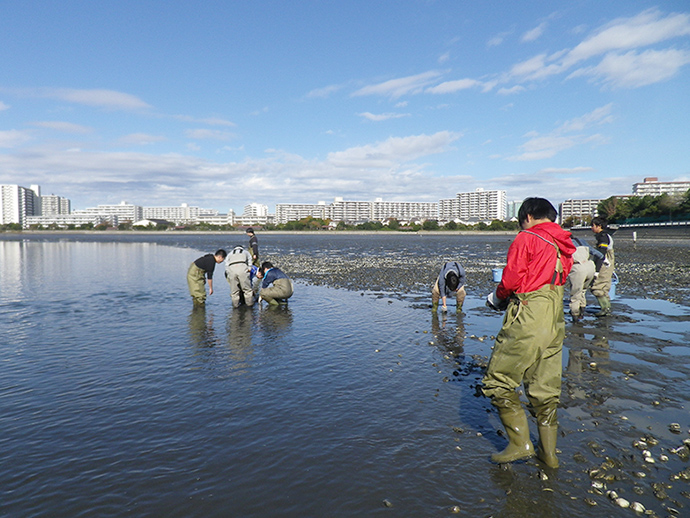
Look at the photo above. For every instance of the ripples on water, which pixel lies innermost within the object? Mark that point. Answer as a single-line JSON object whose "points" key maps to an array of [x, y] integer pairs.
{"points": [[116, 397]]}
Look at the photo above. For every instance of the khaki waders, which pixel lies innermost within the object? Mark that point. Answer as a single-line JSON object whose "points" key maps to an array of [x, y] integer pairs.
{"points": [[197, 284]]}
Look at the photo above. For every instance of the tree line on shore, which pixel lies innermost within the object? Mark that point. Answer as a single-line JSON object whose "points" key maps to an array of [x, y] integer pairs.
{"points": [[640, 209]]}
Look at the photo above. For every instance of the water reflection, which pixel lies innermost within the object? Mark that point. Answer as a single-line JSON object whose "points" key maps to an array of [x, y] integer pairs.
{"points": [[201, 332], [589, 349], [239, 329], [275, 321]]}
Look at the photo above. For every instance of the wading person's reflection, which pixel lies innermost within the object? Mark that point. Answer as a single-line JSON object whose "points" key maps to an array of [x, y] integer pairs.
{"points": [[239, 329], [201, 332]]}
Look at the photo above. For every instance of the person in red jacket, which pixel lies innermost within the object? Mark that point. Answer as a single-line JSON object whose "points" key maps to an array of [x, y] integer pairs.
{"points": [[529, 346]]}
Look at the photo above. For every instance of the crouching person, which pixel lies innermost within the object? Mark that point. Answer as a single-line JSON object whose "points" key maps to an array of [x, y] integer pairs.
{"points": [[529, 345], [276, 287], [450, 282]]}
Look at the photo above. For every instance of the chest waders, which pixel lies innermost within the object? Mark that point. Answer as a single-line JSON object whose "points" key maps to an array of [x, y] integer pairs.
{"points": [[528, 350], [602, 284]]}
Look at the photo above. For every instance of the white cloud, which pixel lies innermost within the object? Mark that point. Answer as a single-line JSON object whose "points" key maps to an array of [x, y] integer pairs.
{"points": [[140, 139], [211, 121], [66, 127], [513, 90], [402, 86], [633, 70], [13, 138], [97, 98], [534, 34], [645, 29], [601, 115], [497, 40], [567, 135], [393, 151], [207, 134], [444, 57], [382, 116], [324, 92], [4, 106], [453, 86]]}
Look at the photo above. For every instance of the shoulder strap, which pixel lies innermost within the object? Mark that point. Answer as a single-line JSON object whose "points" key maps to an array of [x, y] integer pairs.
{"points": [[558, 271]]}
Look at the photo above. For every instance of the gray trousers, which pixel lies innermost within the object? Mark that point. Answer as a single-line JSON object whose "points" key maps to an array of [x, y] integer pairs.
{"points": [[580, 278], [237, 276]]}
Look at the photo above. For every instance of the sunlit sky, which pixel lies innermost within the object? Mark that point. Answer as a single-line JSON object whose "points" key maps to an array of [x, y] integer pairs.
{"points": [[221, 103]]}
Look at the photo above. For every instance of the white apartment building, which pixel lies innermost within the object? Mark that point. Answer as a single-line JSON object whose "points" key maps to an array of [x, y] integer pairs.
{"points": [[481, 205], [65, 220], [17, 203], [184, 214], [296, 211], [255, 214], [52, 205], [124, 212], [448, 209], [585, 210], [403, 210], [651, 186]]}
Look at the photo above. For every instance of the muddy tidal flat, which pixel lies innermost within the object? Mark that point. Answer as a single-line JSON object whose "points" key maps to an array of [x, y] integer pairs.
{"points": [[354, 400]]}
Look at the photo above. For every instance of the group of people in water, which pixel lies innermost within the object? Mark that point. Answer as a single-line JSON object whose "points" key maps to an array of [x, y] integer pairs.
{"points": [[541, 260], [250, 280]]}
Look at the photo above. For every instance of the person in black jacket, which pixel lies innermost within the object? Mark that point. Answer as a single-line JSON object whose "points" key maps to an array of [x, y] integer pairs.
{"points": [[199, 271]]}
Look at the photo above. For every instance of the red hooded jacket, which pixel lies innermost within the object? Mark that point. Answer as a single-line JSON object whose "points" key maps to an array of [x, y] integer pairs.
{"points": [[532, 260]]}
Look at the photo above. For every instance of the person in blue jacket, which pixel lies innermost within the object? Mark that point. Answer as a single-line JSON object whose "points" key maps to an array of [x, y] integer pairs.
{"points": [[276, 287], [450, 281]]}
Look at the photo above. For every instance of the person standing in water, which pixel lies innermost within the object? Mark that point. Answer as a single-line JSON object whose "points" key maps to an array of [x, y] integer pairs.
{"points": [[253, 246], [199, 271], [528, 347]]}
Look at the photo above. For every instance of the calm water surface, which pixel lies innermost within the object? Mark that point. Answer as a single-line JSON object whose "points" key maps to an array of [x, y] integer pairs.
{"points": [[117, 398]]}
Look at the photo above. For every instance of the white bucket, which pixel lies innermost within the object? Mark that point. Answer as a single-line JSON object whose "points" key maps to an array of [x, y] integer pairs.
{"points": [[497, 274], [612, 289]]}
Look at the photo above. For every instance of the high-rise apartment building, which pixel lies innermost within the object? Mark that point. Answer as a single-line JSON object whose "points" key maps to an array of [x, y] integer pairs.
{"points": [[481, 205], [651, 186], [53, 205], [255, 214], [17, 203], [582, 210]]}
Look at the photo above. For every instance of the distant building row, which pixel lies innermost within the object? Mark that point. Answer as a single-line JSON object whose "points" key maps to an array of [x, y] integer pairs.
{"points": [[28, 207]]}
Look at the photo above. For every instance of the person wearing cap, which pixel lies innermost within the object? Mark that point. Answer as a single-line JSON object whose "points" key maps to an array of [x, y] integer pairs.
{"points": [[276, 287], [237, 274], [450, 281], [199, 271], [602, 284], [528, 348], [253, 246]]}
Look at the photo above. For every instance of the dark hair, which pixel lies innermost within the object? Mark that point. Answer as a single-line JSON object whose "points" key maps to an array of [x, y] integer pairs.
{"points": [[452, 281], [266, 266], [599, 222], [538, 208], [250, 230], [221, 253]]}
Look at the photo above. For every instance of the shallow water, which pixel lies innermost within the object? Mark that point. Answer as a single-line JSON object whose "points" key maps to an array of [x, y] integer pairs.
{"points": [[117, 398]]}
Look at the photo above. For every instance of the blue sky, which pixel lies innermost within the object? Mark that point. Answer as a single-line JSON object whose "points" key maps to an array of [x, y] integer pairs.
{"points": [[222, 103]]}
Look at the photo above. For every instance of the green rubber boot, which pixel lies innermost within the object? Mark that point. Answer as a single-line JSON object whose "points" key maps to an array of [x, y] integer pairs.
{"points": [[605, 304], [519, 444], [546, 451], [434, 307]]}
